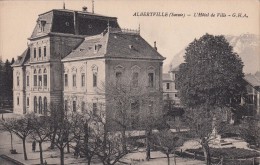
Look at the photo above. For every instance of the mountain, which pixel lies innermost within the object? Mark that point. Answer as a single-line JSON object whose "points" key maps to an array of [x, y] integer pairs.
{"points": [[247, 46]]}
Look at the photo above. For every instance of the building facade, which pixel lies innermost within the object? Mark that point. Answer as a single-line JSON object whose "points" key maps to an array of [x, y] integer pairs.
{"points": [[252, 97], [72, 54], [170, 90]]}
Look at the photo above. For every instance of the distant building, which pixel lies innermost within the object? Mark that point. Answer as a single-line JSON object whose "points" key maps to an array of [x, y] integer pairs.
{"points": [[170, 91], [252, 98], [73, 53]]}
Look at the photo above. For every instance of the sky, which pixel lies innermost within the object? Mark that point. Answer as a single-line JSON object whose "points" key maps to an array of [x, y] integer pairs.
{"points": [[172, 33]]}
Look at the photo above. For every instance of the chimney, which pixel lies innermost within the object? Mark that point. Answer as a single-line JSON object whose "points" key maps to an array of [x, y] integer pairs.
{"points": [[155, 45], [84, 9], [76, 28]]}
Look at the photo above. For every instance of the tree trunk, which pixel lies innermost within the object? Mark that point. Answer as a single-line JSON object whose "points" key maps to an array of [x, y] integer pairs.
{"points": [[168, 158], [174, 158], [89, 161], [41, 156], [124, 140], [62, 156], [68, 148], [24, 150], [205, 148], [53, 138], [11, 141], [148, 147]]}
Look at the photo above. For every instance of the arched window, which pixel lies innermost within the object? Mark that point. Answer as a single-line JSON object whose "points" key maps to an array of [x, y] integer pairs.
{"points": [[35, 78], [40, 105], [45, 106], [35, 104], [40, 78], [45, 77]]}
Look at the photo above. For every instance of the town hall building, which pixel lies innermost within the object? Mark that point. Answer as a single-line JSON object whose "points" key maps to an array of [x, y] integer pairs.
{"points": [[72, 54]]}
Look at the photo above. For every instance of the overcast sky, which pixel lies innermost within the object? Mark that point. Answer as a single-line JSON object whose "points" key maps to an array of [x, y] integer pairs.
{"points": [[18, 18]]}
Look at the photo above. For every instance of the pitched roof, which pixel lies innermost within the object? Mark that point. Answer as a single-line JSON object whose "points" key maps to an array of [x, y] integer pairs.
{"points": [[115, 44], [22, 59], [254, 80], [72, 22]]}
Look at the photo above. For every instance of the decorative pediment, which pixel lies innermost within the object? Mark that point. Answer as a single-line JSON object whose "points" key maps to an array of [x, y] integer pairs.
{"points": [[74, 69], [151, 69], [119, 68], [94, 69], [135, 68]]}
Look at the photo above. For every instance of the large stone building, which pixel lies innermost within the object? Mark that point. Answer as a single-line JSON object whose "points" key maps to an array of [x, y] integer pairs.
{"points": [[73, 53]]}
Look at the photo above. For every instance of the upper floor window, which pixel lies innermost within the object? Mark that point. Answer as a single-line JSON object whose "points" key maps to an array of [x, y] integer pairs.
{"points": [[28, 103], [40, 78], [74, 106], [17, 100], [66, 80], [83, 79], [66, 105], [167, 85], [95, 109], [18, 81], [151, 106], [45, 77], [44, 51], [35, 78], [34, 52], [151, 80], [74, 80], [40, 52], [118, 78], [135, 79], [94, 79], [27, 80]]}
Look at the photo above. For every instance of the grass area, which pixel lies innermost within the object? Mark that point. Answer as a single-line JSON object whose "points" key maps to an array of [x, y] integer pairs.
{"points": [[228, 153]]}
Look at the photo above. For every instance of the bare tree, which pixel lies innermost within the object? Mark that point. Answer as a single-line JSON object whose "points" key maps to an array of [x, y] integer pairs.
{"points": [[40, 131], [63, 125], [167, 143], [20, 127]]}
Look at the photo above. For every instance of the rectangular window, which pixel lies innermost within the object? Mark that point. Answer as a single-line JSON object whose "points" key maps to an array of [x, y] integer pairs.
{"points": [[35, 80], [40, 80], [151, 107], [40, 51], [118, 78], [17, 100], [74, 80], [27, 81], [18, 81], [135, 79], [83, 106], [74, 106], [28, 101], [34, 52], [66, 105], [151, 80], [83, 79], [94, 80], [45, 80], [66, 80], [94, 108], [167, 85], [44, 51]]}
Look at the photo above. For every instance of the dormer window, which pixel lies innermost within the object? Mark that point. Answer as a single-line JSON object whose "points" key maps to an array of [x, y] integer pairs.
{"points": [[97, 47], [41, 25]]}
